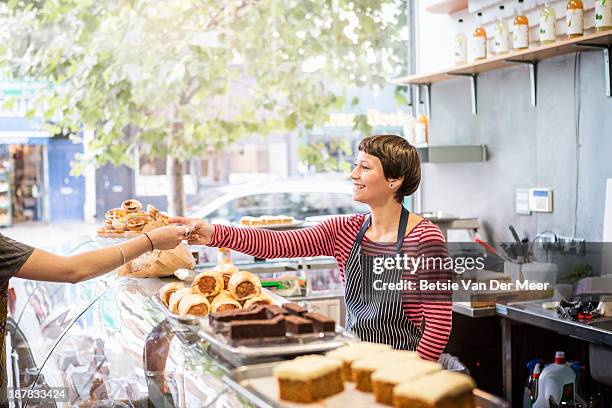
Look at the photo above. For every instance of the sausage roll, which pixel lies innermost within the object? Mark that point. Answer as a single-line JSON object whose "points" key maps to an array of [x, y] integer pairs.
{"points": [[224, 302], [256, 301], [208, 283], [176, 298], [167, 290], [194, 305], [244, 285]]}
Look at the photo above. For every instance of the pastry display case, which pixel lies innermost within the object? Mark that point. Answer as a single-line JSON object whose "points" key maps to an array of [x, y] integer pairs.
{"points": [[109, 345]]}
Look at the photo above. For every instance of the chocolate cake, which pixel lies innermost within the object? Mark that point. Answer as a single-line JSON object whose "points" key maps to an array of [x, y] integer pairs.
{"points": [[298, 325], [256, 313], [257, 329], [321, 323], [275, 310], [294, 308]]}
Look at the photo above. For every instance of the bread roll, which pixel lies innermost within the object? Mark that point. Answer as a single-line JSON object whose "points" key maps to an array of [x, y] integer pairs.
{"points": [[167, 290], [194, 305], [224, 302], [176, 298], [244, 285], [208, 283]]}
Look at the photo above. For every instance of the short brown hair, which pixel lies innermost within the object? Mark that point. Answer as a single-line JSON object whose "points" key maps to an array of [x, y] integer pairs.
{"points": [[399, 159]]}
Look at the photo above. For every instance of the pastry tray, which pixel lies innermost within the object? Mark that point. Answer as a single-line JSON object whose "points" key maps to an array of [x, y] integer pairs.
{"points": [[294, 224], [257, 384], [272, 349]]}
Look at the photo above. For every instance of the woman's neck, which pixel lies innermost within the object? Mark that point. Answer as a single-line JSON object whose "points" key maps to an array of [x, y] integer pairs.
{"points": [[385, 221]]}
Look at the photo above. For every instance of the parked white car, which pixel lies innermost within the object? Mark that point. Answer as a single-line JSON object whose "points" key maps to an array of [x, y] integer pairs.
{"points": [[300, 199]]}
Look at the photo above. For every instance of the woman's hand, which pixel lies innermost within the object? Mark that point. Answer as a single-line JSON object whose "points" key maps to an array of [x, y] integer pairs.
{"points": [[201, 231], [168, 237]]}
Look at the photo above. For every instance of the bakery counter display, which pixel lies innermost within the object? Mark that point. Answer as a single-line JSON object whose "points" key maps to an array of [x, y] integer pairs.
{"points": [[244, 323], [101, 355], [359, 375], [130, 220]]}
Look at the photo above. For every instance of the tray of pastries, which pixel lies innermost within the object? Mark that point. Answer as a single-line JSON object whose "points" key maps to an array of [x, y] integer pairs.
{"points": [[130, 220], [271, 222], [379, 377], [243, 322]]}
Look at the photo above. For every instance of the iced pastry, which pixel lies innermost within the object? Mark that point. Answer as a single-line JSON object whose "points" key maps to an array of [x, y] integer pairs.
{"points": [[438, 390], [385, 379], [308, 379], [351, 353]]}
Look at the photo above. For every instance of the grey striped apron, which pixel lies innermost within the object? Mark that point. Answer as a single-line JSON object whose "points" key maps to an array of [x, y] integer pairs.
{"points": [[375, 315]]}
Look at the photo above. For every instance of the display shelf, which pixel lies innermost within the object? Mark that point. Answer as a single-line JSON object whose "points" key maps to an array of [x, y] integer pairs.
{"points": [[447, 6], [530, 56]]}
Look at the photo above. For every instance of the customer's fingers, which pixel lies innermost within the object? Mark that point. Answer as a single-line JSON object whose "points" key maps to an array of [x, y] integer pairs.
{"points": [[180, 220]]}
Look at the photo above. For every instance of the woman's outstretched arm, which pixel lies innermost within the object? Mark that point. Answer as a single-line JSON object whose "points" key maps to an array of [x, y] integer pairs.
{"points": [[261, 243]]}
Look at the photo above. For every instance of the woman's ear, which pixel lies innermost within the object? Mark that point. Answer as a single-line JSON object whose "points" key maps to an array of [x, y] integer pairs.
{"points": [[395, 183]]}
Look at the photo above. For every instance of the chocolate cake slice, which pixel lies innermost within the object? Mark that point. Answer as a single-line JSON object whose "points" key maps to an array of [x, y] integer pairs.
{"points": [[298, 325], [321, 323], [256, 313], [275, 310], [294, 308], [257, 329]]}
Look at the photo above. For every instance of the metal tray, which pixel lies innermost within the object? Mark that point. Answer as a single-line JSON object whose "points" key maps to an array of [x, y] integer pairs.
{"points": [[191, 322], [238, 355], [257, 384]]}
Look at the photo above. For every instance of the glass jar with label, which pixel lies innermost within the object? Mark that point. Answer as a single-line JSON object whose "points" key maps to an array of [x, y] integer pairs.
{"points": [[479, 41], [460, 52], [603, 15], [574, 18], [501, 33], [548, 24], [520, 31]]}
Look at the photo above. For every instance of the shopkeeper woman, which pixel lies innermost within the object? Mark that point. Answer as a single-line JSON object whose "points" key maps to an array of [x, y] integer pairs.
{"points": [[23, 261], [387, 169]]}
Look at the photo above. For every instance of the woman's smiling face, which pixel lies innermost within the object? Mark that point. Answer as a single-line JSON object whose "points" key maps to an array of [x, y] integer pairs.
{"points": [[369, 180]]}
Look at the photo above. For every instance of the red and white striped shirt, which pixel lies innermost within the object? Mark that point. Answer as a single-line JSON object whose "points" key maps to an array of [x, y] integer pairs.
{"points": [[335, 237]]}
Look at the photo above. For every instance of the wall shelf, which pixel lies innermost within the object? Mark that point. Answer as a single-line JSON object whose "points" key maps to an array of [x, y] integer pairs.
{"points": [[447, 6], [531, 56], [452, 154]]}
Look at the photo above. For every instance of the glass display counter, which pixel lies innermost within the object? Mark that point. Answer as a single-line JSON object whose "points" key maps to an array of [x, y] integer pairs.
{"points": [[116, 349]]}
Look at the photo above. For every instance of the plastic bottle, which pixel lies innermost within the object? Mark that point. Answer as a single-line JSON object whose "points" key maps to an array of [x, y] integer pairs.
{"points": [[548, 24], [460, 51], [421, 130], [224, 255], [520, 32], [603, 15], [574, 18], [501, 33], [558, 381], [533, 389], [479, 40]]}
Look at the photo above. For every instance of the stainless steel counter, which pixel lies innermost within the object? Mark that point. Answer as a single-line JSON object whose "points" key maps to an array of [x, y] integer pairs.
{"points": [[534, 314]]}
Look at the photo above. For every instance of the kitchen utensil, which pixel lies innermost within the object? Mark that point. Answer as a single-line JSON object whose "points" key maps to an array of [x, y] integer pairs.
{"points": [[514, 234]]}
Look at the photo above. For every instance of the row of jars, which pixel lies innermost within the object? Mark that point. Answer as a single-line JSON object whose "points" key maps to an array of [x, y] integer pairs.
{"points": [[520, 33]]}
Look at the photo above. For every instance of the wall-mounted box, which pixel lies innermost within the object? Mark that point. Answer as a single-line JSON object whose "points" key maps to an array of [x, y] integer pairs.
{"points": [[453, 154]]}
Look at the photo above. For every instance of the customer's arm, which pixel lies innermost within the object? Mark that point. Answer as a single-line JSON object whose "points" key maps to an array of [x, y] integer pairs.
{"points": [[261, 243], [45, 266]]}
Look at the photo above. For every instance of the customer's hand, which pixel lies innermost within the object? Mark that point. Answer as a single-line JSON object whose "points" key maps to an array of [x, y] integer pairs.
{"points": [[168, 237], [201, 231]]}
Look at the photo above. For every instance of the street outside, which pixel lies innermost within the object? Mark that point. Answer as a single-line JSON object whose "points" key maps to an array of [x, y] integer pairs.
{"points": [[50, 236]]}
